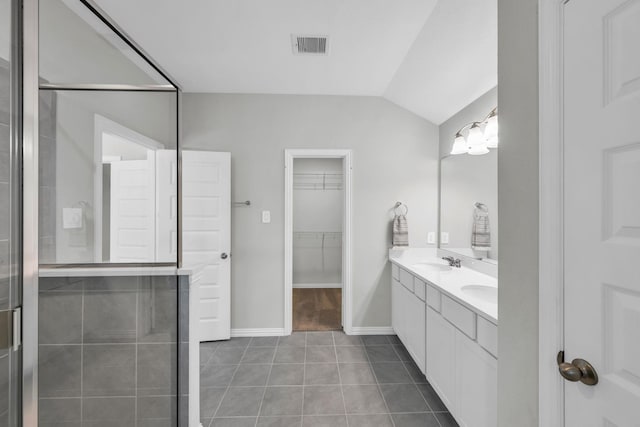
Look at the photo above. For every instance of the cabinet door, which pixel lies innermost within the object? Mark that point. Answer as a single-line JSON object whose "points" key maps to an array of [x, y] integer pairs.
{"points": [[476, 384], [440, 355], [396, 308], [416, 330]]}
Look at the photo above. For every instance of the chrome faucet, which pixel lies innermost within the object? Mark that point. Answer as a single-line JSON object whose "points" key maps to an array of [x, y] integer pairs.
{"points": [[453, 262]]}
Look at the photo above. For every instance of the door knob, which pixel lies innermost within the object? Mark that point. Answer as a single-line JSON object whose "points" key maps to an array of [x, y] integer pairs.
{"points": [[577, 370], [224, 255]]}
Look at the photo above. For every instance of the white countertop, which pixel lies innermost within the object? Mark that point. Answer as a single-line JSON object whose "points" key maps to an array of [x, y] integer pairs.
{"points": [[449, 282]]}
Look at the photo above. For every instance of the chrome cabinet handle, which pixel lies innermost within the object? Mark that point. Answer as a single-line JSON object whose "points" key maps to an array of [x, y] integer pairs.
{"points": [[577, 370]]}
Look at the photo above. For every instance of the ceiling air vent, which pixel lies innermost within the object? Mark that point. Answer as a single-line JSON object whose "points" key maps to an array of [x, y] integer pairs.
{"points": [[309, 45]]}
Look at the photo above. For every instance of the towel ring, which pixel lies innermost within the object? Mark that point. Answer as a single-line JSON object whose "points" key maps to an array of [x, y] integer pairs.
{"points": [[398, 205]]}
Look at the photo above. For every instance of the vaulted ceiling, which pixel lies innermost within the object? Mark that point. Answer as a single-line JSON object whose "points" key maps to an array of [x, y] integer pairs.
{"points": [[432, 57]]}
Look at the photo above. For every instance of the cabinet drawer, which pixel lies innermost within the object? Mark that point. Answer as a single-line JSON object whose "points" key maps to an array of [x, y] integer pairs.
{"points": [[419, 288], [462, 318], [406, 279], [395, 271], [433, 298], [488, 336]]}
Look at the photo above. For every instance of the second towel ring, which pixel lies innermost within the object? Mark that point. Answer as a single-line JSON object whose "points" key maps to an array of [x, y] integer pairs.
{"points": [[399, 205]]}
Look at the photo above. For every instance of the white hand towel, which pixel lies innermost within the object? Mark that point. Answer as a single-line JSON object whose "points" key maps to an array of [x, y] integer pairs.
{"points": [[481, 231], [400, 231]]}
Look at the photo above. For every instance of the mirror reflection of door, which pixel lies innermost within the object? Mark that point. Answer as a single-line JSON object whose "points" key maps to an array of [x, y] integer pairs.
{"points": [[130, 204]]}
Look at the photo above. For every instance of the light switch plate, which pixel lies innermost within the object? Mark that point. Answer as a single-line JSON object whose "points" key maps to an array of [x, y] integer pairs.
{"points": [[431, 238], [266, 217], [444, 238]]}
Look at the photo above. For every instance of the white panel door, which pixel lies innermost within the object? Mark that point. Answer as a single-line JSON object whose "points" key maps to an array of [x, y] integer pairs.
{"points": [[166, 206], [602, 209], [206, 236], [133, 203]]}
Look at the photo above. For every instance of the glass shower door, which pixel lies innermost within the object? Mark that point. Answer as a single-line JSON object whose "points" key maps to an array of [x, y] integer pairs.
{"points": [[10, 225]]}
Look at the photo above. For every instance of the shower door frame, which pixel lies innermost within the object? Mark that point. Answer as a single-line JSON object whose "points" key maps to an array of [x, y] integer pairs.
{"points": [[31, 87], [346, 156]]}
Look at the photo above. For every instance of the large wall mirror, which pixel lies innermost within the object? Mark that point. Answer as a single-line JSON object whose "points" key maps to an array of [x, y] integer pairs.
{"points": [[469, 205]]}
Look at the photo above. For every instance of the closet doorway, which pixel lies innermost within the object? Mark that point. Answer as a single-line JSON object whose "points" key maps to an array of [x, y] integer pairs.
{"points": [[317, 240]]}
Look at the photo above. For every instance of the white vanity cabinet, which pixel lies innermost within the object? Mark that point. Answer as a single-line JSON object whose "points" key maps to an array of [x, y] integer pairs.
{"points": [[408, 314], [452, 344]]}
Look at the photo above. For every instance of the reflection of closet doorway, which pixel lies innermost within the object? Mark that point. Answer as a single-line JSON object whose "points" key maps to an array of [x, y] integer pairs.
{"points": [[317, 240]]}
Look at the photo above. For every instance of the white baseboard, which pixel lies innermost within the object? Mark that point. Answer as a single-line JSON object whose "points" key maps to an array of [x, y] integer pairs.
{"points": [[317, 285], [372, 330], [257, 332]]}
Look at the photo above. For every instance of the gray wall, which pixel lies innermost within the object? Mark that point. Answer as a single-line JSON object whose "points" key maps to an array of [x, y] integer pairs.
{"points": [[518, 206], [468, 179], [395, 157]]}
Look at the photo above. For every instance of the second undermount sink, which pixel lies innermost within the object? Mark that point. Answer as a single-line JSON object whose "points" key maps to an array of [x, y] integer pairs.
{"points": [[433, 266], [482, 292]]}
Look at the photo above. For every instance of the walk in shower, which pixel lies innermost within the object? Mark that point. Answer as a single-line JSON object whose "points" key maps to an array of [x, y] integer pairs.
{"points": [[112, 311]]}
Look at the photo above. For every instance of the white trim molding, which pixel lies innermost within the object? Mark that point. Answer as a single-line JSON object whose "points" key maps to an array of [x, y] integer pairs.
{"points": [[551, 262], [289, 156], [257, 332], [372, 330], [317, 285]]}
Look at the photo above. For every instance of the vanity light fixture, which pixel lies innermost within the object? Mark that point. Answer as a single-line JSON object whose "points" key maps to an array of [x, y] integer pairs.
{"points": [[477, 141]]}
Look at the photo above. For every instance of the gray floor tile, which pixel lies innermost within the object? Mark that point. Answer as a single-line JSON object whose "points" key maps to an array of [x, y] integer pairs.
{"points": [[234, 422], [321, 354], [391, 373], [321, 373], [375, 340], [323, 400], [206, 351], [210, 398], [226, 355], [393, 339], [264, 342], [363, 399], [340, 338], [417, 375], [402, 353], [282, 401], [446, 420], [320, 338], [351, 354], [287, 374], [258, 355], [356, 373], [241, 401], [432, 398], [403, 398], [251, 375], [296, 339], [375, 420], [415, 420], [235, 342], [289, 421], [382, 353], [289, 355], [217, 375], [324, 421]]}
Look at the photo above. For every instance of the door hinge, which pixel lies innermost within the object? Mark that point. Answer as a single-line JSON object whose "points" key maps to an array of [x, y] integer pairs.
{"points": [[11, 329]]}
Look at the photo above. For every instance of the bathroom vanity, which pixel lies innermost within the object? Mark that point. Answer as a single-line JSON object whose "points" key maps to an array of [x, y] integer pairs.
{"points": [[447, 319]]}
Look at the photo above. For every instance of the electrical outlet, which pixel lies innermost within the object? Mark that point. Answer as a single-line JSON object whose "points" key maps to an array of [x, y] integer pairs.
{"points": [[266, 217], [431, 237], [444, 238]]}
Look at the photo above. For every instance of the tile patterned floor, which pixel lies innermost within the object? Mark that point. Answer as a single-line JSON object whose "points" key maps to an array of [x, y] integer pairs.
{"points": [[315, 379]]}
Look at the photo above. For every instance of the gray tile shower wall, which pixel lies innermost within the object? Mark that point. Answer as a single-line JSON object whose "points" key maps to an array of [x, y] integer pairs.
{"points": [[109, 351]]}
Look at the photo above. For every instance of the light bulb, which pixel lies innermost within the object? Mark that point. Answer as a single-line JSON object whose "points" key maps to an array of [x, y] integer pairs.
{"points": [[459, 145], [475, 136], [491, 131]]}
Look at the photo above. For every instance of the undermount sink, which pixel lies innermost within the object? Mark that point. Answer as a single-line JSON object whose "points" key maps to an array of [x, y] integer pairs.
{"points": [[432, 266], [482, 292]]}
